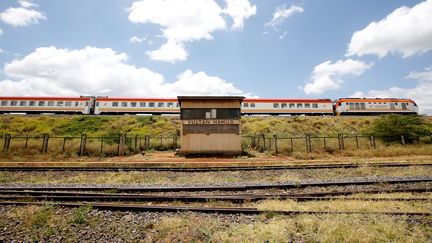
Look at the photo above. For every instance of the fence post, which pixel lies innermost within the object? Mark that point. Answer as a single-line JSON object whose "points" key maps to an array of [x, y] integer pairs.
{"points": [[83, 144], [102, 143], [175, 142], [341, 142], [26, 143], [275, 144], [388, 141], [6, 144], [264, 143], [306, 143], [357, 143], [372, 141], [325, 144], [403, 140], [122, 145], [292, 145], [136, 142], [64, 144], [45, 142]]}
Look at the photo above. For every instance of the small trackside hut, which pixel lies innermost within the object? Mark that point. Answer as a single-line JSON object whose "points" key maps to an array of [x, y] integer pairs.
{"points": [[210, 125]]}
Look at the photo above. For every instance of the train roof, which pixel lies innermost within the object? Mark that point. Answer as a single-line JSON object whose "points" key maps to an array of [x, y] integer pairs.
{"points": [[43, 98], [134, 99], [298, 100]]}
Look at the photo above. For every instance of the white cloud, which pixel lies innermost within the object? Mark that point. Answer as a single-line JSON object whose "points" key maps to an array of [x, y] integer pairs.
{"points": [[189, 83], [95, 71], [21, 16], [171, 51], [328, 76], [282, 36], [239, 10], [1, 32], [185, 21], [1, 51], [136, 39], [406, 30], [421, 93], [282, 13], [26, 4]]}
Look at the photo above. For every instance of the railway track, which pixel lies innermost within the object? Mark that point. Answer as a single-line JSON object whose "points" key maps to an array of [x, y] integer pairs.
{"points": [[312, 196], [220, 210], [209, 169], [221, 188]]}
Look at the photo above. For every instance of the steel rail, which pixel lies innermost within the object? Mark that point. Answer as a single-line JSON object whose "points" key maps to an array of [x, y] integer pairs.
{"points": [[209, 169], [220, 210], [75, 196], [221, 188], [200, 198]]}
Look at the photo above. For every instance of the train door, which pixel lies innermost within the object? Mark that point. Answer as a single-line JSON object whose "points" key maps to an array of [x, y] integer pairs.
{"points": [[392, 106], [404, 106]]}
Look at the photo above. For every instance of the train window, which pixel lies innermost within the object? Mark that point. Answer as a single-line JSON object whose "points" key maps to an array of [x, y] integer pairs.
{"points": [[170, 104], [275, 105], [32, 103], [142, 104], [379, 103], [363, 106], [124, 104], [291, 105], [4, 102], [151, 104], [177, 104], [351, 105], [385, 103], [161, 104], [252, 104], [41, 103], [97, 104], [396, 103], [299, 105], [68, 103], [133, 104], [307, 105], [23, 103], [374, 103], [115, 104], [50, 103], [245, 104], [76, 103], [357, 106], [59, 103], [370, 103], [314, 105], [283, 105], [14, 103]]}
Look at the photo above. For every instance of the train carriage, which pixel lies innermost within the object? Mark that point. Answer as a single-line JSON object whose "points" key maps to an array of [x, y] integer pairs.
{"points": [[257, 106], [155, 106], [37, 105], [374, 106]]}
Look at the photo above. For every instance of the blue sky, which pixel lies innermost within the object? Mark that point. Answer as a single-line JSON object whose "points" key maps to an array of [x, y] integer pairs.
{"points": [[271, 48]]}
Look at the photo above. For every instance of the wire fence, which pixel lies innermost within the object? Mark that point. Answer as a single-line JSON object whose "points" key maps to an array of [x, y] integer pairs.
{"points": [[123, 144]]}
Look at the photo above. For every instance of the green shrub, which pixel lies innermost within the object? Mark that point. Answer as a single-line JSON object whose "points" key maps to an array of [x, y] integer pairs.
{"points": [[394, 126]]}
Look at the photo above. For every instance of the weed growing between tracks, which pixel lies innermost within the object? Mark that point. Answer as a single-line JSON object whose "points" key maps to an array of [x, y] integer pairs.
{"points": [[345, 205], [47, 223]]}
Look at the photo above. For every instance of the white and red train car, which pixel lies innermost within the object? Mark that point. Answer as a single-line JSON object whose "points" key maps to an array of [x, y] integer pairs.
{"points": [[259, 106], [374, 106], [38, 105], [112, 105]]}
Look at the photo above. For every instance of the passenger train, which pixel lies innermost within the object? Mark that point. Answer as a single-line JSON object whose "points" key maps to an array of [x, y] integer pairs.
{"points": [[90, 105]]}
